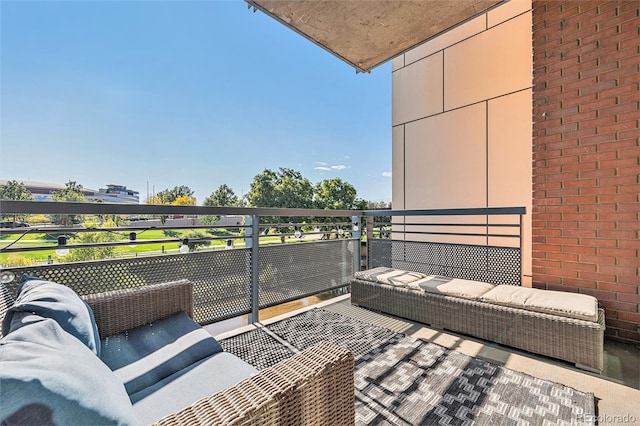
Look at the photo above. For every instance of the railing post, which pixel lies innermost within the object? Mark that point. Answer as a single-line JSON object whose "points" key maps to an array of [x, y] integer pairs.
{"points": [[252, 242], [356, 234], [369, 231]]}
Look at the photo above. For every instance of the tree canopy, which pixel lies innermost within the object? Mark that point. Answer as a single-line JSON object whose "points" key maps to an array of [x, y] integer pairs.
{"points": [[284, 188], [221, 197], [178, 195], [334, 194], [71, 193], [14, 190]]}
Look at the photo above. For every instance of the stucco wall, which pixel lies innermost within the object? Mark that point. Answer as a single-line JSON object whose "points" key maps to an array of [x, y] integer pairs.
{"points": [[462, 118]]}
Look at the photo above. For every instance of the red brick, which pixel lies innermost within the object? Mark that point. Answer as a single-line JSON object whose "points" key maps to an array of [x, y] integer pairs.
{"points": [[599, 260], [597, 225], [633, 262], [621, 324], [620, 288], [597, 173], [600, 242], [624, 161], [619, 198], [629, 244], [549, 279], [617, 252], [562, 256], [621, 234], [579, 267], [618, 180], [628, 336], [616, 127], [621, 143], [597, 208], [597, 190], [579, 249], [631, 298], [603, 279], [599, 294], [626, 311]]}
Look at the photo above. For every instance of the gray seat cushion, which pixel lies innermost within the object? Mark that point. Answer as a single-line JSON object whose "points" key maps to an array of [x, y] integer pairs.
{"points": [[456, 287], [389, 276], [569, 305], [146, 355], [189, 385]]}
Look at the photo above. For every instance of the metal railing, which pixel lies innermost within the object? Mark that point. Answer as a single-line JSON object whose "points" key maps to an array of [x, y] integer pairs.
{"points": [[269, 256], [481, 244]]}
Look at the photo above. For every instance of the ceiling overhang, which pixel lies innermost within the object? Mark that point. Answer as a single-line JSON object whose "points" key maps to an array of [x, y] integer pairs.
{"points": [[367, 33]]}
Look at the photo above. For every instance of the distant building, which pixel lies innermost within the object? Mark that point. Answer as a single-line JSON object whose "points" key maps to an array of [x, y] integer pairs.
{"points": [[115, 194], [42, 191]]}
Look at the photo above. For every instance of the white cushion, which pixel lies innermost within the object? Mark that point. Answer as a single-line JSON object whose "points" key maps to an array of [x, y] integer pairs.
{"points": [[569, 305], [456, 287], [389, 276]]}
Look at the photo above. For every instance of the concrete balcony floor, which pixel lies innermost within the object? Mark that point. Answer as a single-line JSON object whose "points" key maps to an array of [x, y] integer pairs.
{"points": [[617, 389]]}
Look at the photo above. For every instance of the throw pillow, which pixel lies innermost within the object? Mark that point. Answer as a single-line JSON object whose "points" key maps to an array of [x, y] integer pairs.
{"points": [[60, 303], [50, 377]]}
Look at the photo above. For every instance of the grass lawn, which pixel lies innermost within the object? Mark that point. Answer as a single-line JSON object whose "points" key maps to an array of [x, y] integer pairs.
{"points": [[41, 239]]}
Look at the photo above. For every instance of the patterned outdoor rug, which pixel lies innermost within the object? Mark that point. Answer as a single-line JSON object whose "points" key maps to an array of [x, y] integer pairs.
{"points": [[405, 381]]}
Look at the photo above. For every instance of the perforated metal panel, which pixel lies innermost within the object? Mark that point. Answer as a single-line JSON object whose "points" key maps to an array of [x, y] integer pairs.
{"points": [[292, 271], [221, 278], [496, 265]]}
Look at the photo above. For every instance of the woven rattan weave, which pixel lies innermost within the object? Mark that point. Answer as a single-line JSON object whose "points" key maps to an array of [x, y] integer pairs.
{"points": [[314, 387], [577, 341]]}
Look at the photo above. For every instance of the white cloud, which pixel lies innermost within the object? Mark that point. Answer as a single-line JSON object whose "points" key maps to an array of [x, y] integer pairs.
{"points": [[346, 157], [327, 168], [386, 174]]}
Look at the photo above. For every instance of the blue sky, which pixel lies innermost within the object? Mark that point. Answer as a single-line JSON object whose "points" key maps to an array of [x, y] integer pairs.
{"points": [[195, 93]]}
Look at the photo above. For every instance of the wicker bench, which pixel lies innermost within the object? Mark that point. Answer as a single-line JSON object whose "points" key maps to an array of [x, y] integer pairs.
{"points": [[579, 341]]}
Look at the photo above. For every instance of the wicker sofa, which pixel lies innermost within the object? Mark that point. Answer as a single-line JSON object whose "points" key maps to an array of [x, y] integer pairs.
{"points": [[464, 306], [315, 386]]}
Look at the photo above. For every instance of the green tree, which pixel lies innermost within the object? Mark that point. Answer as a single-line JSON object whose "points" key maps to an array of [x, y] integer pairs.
{"points": [[169, 196], [180, 196], [285, 188], [334, 194], [71, 193], [221, 197], [14, 190]]}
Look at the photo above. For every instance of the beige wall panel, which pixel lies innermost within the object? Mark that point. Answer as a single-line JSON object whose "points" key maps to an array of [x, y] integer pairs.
{"points": [[397, 63], [493, 63], [417, 90], [507, 11], [453, 36], [509, 154], [509, 158], [445, 160], [397, 167]]}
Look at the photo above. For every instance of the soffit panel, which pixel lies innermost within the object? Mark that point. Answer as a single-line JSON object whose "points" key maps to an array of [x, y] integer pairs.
{"points": [[366, 34]]}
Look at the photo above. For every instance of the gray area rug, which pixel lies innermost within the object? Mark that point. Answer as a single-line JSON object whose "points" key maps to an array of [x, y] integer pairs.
{"points": [[400, 380]]}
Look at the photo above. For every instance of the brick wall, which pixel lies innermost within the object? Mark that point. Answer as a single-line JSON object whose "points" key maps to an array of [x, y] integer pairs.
{"points": [[586, 186]]}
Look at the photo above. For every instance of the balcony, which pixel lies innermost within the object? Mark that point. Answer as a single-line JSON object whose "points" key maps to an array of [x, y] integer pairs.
{"points": [[278, 280]]}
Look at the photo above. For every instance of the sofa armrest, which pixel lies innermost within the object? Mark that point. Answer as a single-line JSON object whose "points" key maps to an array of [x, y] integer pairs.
{"points": [[120, 310], [315, 387]]}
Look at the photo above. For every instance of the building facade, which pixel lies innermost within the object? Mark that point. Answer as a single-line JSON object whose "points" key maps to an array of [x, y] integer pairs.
{"points": [[534, 104]]}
